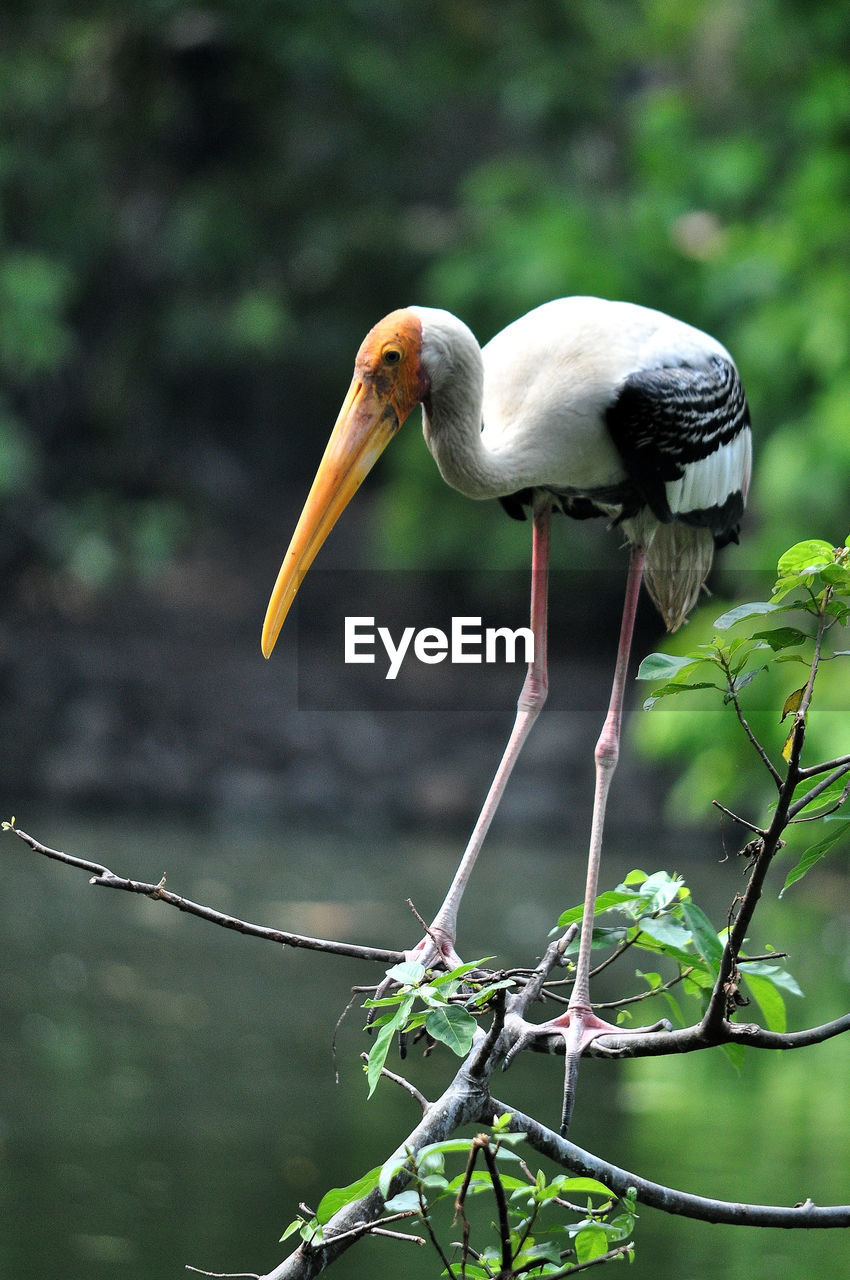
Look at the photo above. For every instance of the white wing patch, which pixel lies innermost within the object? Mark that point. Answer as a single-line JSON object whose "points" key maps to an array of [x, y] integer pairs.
{"points": [[710, 481]]}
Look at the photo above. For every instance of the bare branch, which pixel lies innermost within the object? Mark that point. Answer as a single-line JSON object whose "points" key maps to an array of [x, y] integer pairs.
{"points": [[751, 1034], [373, 1229], [101, 875], [552, 956], [737, 818], [225, 1275], [819, 789], [651, 991], [403, 1084], [814, 769], [657, 1196]]}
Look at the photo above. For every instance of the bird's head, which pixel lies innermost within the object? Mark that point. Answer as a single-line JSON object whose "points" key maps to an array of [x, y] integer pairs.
{"points": [[388, 382]]}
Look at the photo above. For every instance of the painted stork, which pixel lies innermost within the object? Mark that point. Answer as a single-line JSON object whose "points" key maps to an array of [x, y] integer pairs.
{"points": [[593, 407]]}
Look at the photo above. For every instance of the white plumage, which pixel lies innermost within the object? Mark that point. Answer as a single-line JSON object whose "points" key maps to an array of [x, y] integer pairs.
{"points": [[615, 409]]}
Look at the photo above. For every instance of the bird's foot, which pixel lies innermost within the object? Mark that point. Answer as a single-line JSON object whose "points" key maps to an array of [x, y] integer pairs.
{"points": [[579, 1027], [435, 951], [437, 948]]}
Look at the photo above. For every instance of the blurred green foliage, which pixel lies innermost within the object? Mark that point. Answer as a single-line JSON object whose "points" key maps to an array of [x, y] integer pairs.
{"points": [[204, 208]]}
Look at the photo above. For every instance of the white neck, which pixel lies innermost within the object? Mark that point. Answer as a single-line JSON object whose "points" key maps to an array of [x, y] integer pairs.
{"points": [[451, 419]]}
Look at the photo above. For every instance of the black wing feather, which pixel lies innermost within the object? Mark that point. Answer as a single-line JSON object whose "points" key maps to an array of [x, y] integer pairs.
{"points": [[665, 418]]}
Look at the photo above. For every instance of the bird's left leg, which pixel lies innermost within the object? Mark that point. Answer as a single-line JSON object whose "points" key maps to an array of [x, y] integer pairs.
{"points": [[580, 1026], [439, 943]]}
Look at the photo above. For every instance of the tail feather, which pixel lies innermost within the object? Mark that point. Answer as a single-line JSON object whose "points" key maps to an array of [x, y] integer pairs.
{"points": [[678, 561]]}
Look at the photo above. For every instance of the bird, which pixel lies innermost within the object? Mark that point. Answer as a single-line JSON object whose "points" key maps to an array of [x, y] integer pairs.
{"points": [[584, 405]]}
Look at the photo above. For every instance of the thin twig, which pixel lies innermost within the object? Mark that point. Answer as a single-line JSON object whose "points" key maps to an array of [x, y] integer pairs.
{"points": [[501, 1203], [737, 818], [552, 956], [742, 720], [225, 1275], [814, 769], [426, 1218], [339, 1023], [374, 1229], [835, 776], [402, 1084], [765, 847], [398, 1235], [645, 995], [102, 875], [575, 1267]]}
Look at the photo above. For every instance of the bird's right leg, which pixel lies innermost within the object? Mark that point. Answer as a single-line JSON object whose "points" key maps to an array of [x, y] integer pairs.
{"points": [[580, 1026], [439, 944]]}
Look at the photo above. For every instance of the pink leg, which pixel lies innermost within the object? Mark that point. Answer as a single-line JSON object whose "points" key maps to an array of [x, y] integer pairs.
{"points": [[531, 699], [580, 1025], [606, 755]]}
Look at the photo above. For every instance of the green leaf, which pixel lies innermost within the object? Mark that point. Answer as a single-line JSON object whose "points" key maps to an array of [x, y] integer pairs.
{"points": [[660, 889], [378, 1053], [652, 980], [769, 1001], [403, 1202], [705, 934], [408, 973], [747, 677], [780, 978], [678, 1018], [664, 929], [814, 854], [590, 1243], [581, 1186], [452, 1026], [667, 690], [486, 993], [338, 1197], [390, 1168], [830, 797], [454, 975], [665, 666], [782, 637], [736, 1053], [806, 557], [603, 903], [837, 575], [294, 1226], [742, 611]]}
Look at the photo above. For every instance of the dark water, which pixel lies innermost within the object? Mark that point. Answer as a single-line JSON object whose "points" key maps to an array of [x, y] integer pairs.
{"points": [[168, 1091]]}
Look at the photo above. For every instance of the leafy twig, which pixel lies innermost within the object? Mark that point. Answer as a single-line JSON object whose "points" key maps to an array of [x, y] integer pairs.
{"points": [[732, 695]]}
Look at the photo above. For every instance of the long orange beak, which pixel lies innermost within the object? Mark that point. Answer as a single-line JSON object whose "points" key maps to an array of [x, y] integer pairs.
{"points": [[367, 422]]}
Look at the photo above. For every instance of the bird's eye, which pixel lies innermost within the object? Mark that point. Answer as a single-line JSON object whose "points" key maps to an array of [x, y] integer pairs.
{"points": [[392, 355]]}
